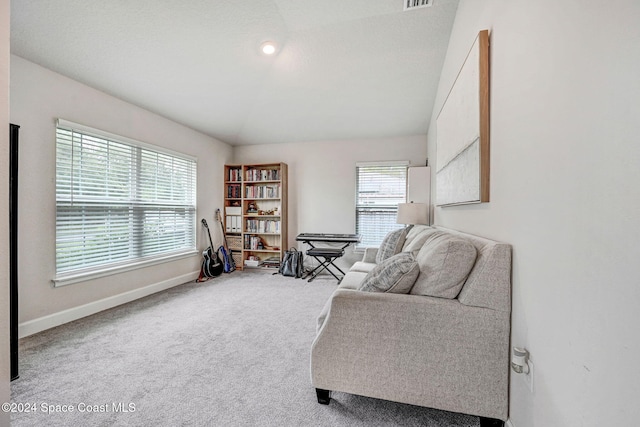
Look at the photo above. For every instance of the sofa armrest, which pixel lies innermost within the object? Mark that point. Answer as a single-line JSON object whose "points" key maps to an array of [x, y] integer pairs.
{"points": [[414, 349], [370, 255]]}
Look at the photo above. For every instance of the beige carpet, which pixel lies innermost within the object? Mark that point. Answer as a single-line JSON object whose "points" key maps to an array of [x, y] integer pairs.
{"points": [[233, 351]]}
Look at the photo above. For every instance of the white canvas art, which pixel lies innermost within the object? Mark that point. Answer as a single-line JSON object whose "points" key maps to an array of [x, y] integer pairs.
{"points": [[462, 140]]}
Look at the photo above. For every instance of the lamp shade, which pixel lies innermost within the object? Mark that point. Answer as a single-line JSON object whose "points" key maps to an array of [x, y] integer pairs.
{"points": [[413, 213]]}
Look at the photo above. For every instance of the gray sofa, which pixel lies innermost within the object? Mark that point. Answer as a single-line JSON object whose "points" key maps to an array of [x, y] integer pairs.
{"points": [[449, 351]]}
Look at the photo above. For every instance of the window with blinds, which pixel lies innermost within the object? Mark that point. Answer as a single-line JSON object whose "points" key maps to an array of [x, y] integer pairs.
{"points": [[119, 202], [379, 189]]}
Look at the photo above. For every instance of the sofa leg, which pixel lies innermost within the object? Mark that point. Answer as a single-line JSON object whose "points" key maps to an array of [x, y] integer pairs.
{"points": [[491, 422], [324, 396]]}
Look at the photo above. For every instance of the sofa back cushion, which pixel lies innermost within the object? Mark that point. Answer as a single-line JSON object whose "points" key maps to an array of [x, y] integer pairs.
{"points": [[416, 237], [394, 275], [445, 261]]}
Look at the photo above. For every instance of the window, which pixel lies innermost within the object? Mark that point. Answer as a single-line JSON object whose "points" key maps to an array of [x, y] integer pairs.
{"points": [[379, 189], [119, 203]]}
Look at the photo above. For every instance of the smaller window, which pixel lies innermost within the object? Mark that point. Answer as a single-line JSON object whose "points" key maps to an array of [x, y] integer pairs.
{"points": [[379, 189]]}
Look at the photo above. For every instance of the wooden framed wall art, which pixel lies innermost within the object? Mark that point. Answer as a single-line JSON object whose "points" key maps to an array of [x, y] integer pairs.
{"points": [[462, 158]]}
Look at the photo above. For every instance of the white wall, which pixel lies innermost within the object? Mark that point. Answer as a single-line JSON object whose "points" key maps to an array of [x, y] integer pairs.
{"points": [[322, 177], [564, 191], [4, 209], [38, 97]]}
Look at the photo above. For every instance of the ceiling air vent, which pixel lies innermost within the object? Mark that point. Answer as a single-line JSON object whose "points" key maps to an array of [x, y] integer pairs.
{"points": [[416, 4]]}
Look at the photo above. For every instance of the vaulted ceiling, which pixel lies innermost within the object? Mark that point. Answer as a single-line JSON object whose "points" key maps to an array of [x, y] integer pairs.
{"points": [[343, 69]]}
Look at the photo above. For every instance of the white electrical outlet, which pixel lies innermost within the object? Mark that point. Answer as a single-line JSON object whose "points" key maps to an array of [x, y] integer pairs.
{"points": [[528, 378]]}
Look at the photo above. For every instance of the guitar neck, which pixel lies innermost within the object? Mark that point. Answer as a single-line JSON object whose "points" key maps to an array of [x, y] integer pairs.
{"points": [[210, 241], [204, 222], [224, 234]]}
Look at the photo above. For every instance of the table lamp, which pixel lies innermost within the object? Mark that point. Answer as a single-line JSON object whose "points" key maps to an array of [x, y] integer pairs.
{"points": [[412, 214]]}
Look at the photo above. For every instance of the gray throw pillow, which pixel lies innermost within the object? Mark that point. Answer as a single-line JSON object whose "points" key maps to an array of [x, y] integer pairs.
{"points": [[445, 262], [394, 275], [391, 244]]}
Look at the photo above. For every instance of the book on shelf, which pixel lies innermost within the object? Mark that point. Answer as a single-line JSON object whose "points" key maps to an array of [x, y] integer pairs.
{"points": [[262, 175], [235, 174], [263, 226], [233, 224], [234, 191], [262, 191], [253, 242]]}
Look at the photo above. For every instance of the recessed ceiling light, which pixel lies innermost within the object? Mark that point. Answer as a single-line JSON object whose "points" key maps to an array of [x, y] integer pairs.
{"points": [[268, 48]]}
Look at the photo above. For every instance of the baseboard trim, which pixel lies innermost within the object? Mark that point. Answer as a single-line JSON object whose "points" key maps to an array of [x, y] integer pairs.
{"points": [[509, 423], [56, 319]]}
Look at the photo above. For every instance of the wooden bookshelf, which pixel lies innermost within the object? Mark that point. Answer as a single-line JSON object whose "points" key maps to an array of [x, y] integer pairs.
{"points": [[255, 213]]}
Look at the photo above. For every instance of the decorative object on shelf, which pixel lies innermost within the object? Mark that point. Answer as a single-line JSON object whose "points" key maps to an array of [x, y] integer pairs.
{"points": [[462, 165], [253, 208], [271, 212]]}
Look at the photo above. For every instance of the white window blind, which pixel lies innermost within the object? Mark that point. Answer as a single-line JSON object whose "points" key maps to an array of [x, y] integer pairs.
{"points": [[380, 187], [119, 202]]}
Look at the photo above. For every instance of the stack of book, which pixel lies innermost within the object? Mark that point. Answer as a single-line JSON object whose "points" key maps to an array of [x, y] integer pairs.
{"points": [[271, 262], [252, 242], [233, 191], [235, 174], [262, 191], [263, 175], [263, 226]]}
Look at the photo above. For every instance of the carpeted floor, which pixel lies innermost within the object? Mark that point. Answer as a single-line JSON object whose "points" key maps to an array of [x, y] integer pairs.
{"points": [[233, 351]]}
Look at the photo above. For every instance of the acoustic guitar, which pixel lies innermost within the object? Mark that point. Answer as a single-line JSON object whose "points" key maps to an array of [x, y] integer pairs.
{"points": [[211, 265]]}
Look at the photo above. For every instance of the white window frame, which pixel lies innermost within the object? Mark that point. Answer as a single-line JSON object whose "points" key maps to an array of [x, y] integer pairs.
{"points": [[387, 209], [70, 199]]}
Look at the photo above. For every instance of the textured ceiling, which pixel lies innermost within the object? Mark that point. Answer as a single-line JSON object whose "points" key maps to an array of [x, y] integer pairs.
{"points": [[344, 69]]}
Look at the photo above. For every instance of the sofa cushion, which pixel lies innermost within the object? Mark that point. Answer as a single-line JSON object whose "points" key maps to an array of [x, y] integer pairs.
{"points": [[445, 262], [391, 244], [394, 275], [352, 280], [416, 238], [363, 267]]}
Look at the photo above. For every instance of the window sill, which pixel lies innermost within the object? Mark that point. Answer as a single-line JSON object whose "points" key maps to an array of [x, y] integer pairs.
{"points": [[71, 278]]}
